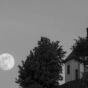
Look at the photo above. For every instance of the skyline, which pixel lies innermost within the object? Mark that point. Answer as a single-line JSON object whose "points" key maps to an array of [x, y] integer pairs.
{"points": [[22, 23]]}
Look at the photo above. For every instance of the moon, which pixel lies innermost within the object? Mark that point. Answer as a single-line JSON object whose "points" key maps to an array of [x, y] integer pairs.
{"points": [[7, 61]]}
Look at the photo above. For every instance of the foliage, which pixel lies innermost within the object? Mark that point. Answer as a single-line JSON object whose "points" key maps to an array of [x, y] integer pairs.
{"points": [[80, 48], [42, 66]]}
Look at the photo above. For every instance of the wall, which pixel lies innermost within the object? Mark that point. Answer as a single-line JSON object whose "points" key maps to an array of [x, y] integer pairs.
{"points": [[73, 66], [63, 75], [81, 70]]}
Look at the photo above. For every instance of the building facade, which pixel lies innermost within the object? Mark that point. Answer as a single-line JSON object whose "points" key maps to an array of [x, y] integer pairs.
{"points": [[73, 70]]}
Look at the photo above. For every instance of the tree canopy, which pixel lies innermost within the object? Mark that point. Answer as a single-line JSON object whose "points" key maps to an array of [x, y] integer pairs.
{"points": [[42, 66], [80, 48]]}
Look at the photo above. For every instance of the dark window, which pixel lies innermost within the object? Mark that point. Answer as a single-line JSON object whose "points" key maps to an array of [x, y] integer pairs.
{"points": [[76, 74], [68, 69]]}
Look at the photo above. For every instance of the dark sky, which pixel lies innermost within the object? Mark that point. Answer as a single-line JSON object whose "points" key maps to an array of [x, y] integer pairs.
{"points": [[22, 22]]}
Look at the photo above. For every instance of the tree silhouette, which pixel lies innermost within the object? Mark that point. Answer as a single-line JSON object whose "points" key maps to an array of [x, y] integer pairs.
{"points": [[42, 68], [80, 48]]}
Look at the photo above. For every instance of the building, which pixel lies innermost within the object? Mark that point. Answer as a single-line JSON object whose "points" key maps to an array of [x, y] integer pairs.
{"points": [[74, 67]]}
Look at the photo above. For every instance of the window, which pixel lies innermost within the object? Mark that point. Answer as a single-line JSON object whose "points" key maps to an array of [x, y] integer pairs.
{"points": [[76, 74], [68, 69]]}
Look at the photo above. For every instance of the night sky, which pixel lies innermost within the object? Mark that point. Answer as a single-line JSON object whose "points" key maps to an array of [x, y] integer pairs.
{"points": [[23, 22]]}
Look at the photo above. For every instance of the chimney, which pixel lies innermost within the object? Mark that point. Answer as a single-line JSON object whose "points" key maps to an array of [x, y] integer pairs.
{"points": [[87, 33]]}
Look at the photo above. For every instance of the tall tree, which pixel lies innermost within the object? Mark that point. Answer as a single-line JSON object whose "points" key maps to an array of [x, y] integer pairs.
{"points": [[42, 66]]}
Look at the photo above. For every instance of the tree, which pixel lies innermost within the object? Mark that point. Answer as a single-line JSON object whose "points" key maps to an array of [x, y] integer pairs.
{"points": [[42, 66], [80, 48]]}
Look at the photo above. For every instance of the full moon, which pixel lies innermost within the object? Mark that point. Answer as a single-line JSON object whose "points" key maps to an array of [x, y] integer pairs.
{"points": [[6, 61]]}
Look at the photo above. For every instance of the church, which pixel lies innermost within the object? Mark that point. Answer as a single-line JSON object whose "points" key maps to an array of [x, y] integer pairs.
{"points": [[73, 67]]}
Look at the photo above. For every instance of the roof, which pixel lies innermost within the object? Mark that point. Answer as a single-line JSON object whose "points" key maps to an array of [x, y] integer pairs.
{"points": [[72, 56]]}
